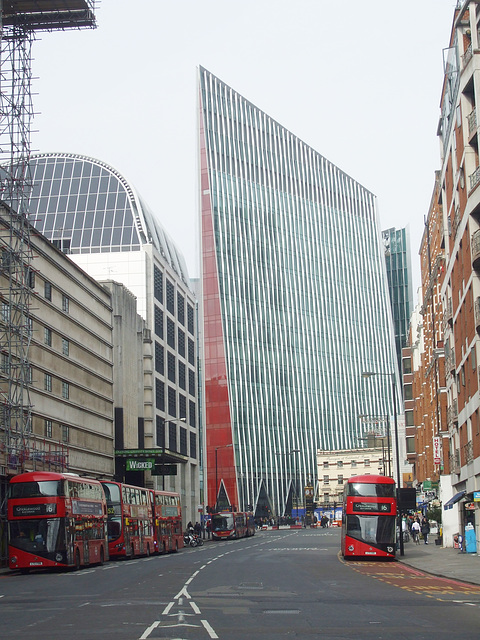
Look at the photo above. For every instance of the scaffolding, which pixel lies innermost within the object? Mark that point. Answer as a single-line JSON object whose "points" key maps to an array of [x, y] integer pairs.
{"points": [[20, 20]]}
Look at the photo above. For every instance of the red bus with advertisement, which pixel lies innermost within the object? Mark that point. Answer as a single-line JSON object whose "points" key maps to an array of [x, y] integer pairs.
{"points": [[167, 513], [369, 517], [130, 520], [228, 525], [56, 520]]}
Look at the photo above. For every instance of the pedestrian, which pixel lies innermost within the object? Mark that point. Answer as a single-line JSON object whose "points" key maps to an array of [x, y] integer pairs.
{"points": [[425, 529], [209, 528], [416, 531]]}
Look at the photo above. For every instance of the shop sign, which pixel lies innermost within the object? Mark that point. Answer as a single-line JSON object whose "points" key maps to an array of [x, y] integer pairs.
{"points": [[437, 450], [140, 465], [476, 496]]}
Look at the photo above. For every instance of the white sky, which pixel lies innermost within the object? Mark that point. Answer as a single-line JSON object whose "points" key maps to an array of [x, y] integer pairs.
{"points": [[358, 80]]}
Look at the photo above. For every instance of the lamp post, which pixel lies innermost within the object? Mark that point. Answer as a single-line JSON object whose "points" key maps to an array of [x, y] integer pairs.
{"points": [[222, 446], [369, 374]]}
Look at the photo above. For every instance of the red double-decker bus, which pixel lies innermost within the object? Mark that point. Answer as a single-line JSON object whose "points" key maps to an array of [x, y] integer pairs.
{"points": [[369, 517], [228, 525], [56, 520], [130, 519], [167, 513]]}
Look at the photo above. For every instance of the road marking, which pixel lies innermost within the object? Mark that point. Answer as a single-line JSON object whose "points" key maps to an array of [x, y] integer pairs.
{"points": [[194, 607], [191, 577], [209, 629], [167, 608], [148, 631]]}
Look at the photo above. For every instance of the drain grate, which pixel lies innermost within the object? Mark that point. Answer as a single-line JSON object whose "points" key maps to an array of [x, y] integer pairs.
{"points": [[289, 611]]}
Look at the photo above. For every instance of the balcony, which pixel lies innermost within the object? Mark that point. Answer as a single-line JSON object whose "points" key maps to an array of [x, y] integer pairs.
{"points": [[476, 249], [467, 56], [448, 315], [452, 413], [474, 178], [450, 363], [472, 123], [476, 313], [454, 460], [468, 452]]}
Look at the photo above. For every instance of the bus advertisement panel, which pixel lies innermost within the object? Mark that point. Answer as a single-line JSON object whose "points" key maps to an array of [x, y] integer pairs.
{"points": [[369, 517], [56, 520], [167, 521], [228, 525], [130, 519]]}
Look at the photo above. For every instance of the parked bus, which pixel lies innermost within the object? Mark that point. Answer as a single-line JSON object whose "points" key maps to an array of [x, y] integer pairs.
{"points": [[167, 513], [369, 517], [56, 520], [130, 520], [227, 525]]}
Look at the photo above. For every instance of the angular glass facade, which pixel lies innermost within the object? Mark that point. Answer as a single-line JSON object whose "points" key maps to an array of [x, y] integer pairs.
{"points": [[295, 304]]}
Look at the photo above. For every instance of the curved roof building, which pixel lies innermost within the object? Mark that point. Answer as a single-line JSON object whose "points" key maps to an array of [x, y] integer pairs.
{"points": [[86, 206], [90, 211]]}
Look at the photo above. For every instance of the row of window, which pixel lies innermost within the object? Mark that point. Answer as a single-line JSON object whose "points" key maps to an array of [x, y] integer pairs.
{"points": [[353, 463], [170, 335], [162, 403], [174, 366], [158, 292], [178, 437], [63, 429]]}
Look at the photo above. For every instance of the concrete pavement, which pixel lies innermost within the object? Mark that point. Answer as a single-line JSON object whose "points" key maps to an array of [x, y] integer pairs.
{"points": [[448, 562]]}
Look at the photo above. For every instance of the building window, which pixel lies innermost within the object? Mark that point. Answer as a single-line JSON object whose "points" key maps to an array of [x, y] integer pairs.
{"points": [[170, 297], [191, 382], [172, 436], [181, 343], [47, 290], [5, 312], [30, 278], [325, 464], [65, 304], [326, 479], [29, 326], [159, 395], [407, 365], [65, 433], [5, 363], [182, 405], [366, 462], [192, 414], [48, 382], [353, 464], [48, 428], [182, 383], [159, 322], [340, 479], [407, 391], [170, 333], [190, 317], [409, 419], [159, 358], [181, 309], [183, 441], [158, 284], [172, 401], [48, 336], [171, 366], [65, 347], [191, 352], [65, 390], [326, 498], [193, 445], [160, 424], [340, 464]]}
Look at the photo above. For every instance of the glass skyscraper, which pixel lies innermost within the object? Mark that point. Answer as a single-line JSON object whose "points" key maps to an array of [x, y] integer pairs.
{"points": [[295, 305]]}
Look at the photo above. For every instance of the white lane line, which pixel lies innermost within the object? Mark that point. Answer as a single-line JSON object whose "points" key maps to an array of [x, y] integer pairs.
{"points": [[148, 631], [209, 629], [194, 607], [167, 608], [191, 577]]}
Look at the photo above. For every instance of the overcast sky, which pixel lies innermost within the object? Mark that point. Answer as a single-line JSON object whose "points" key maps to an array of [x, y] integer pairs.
{"points": [[359, 81]]}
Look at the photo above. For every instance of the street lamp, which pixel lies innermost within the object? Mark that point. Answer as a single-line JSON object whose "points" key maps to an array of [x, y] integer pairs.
{"points": [[222, 446], [369, 374]]}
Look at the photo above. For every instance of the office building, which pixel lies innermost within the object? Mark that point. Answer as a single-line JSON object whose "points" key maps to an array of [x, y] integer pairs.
{"points": [[399, 273], [91, 212], [295, 304]]}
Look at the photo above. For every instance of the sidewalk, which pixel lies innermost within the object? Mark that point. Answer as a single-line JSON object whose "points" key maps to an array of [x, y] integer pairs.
{"points": [[448, 563]]}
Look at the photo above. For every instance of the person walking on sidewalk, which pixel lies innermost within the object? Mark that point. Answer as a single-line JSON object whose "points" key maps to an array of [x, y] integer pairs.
{"points": [[416, 531], [425, 528]]}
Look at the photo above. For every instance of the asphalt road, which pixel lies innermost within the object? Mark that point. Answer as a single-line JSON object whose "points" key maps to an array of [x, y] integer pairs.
{"points": [[279, 584]]}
